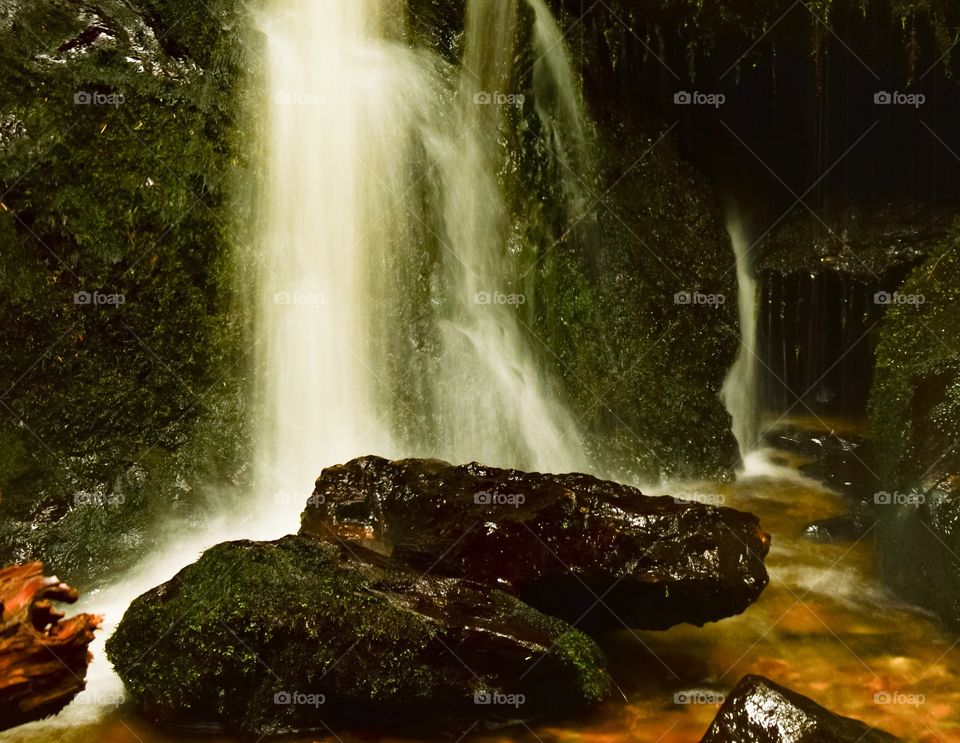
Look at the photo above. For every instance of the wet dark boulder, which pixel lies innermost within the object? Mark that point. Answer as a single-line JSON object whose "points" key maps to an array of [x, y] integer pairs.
{"points": [[595, 553], [264, 638], [919, 538], [915, 416], [760, 711]]}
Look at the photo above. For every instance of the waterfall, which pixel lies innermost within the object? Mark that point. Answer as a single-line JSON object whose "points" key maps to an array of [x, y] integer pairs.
{"points": [[560, 108], [385, 271], [375, 151], [341, 107], [739, 392]]}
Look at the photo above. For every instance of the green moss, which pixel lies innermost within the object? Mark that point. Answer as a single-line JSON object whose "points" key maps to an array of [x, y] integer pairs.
{"points": [[249, 620], [130, 198], [642, 372], [915, 412], [914, 397]]}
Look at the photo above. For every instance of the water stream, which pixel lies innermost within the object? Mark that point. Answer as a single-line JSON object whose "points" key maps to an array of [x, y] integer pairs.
{"points": [[386, 271], [740, 393], [824, 627]]}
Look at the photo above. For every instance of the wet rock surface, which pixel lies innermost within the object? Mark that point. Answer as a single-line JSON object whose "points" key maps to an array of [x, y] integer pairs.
{"points": [[840, 529], [865, 242], [919, 536], [761, 711], [294, 635], [843, 461], [114, 116], [595, 553]]}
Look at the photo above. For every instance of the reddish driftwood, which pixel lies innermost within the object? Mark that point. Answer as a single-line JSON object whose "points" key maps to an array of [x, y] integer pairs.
{"points": [[43, 660]]}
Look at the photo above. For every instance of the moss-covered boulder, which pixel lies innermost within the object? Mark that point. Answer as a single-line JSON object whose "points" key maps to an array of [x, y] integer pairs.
{"points": [[295, 635], [642, 368], [915, 411]]}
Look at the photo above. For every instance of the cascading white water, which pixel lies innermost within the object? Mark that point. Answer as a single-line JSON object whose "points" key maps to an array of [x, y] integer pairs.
{"points": [[374, 149], [493, 400], [360, 126], [739, 391], [342, 107], [560, 108]]}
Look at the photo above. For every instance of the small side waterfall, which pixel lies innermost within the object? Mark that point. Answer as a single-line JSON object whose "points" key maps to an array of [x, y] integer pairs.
{"points": [[739, 391]]}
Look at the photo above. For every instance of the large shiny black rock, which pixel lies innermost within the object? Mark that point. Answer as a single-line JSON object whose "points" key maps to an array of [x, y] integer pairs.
{"points": [[595, 553]]}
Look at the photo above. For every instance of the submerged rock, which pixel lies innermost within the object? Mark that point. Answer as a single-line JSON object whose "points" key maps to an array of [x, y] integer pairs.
{"points": [[760, 711], [839, 529], [270, 637], [598, 554]]}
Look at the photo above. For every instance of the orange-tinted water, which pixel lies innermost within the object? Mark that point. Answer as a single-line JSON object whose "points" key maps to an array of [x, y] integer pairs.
{"points": [[824, 627]]}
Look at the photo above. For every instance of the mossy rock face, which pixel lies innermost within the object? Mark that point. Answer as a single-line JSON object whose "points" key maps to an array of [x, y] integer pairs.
{"points": [[123, 375], [293, 635], [915, 403], [866, 243], [644, 370], [915, 412], [617, 233], [919, 540]]}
